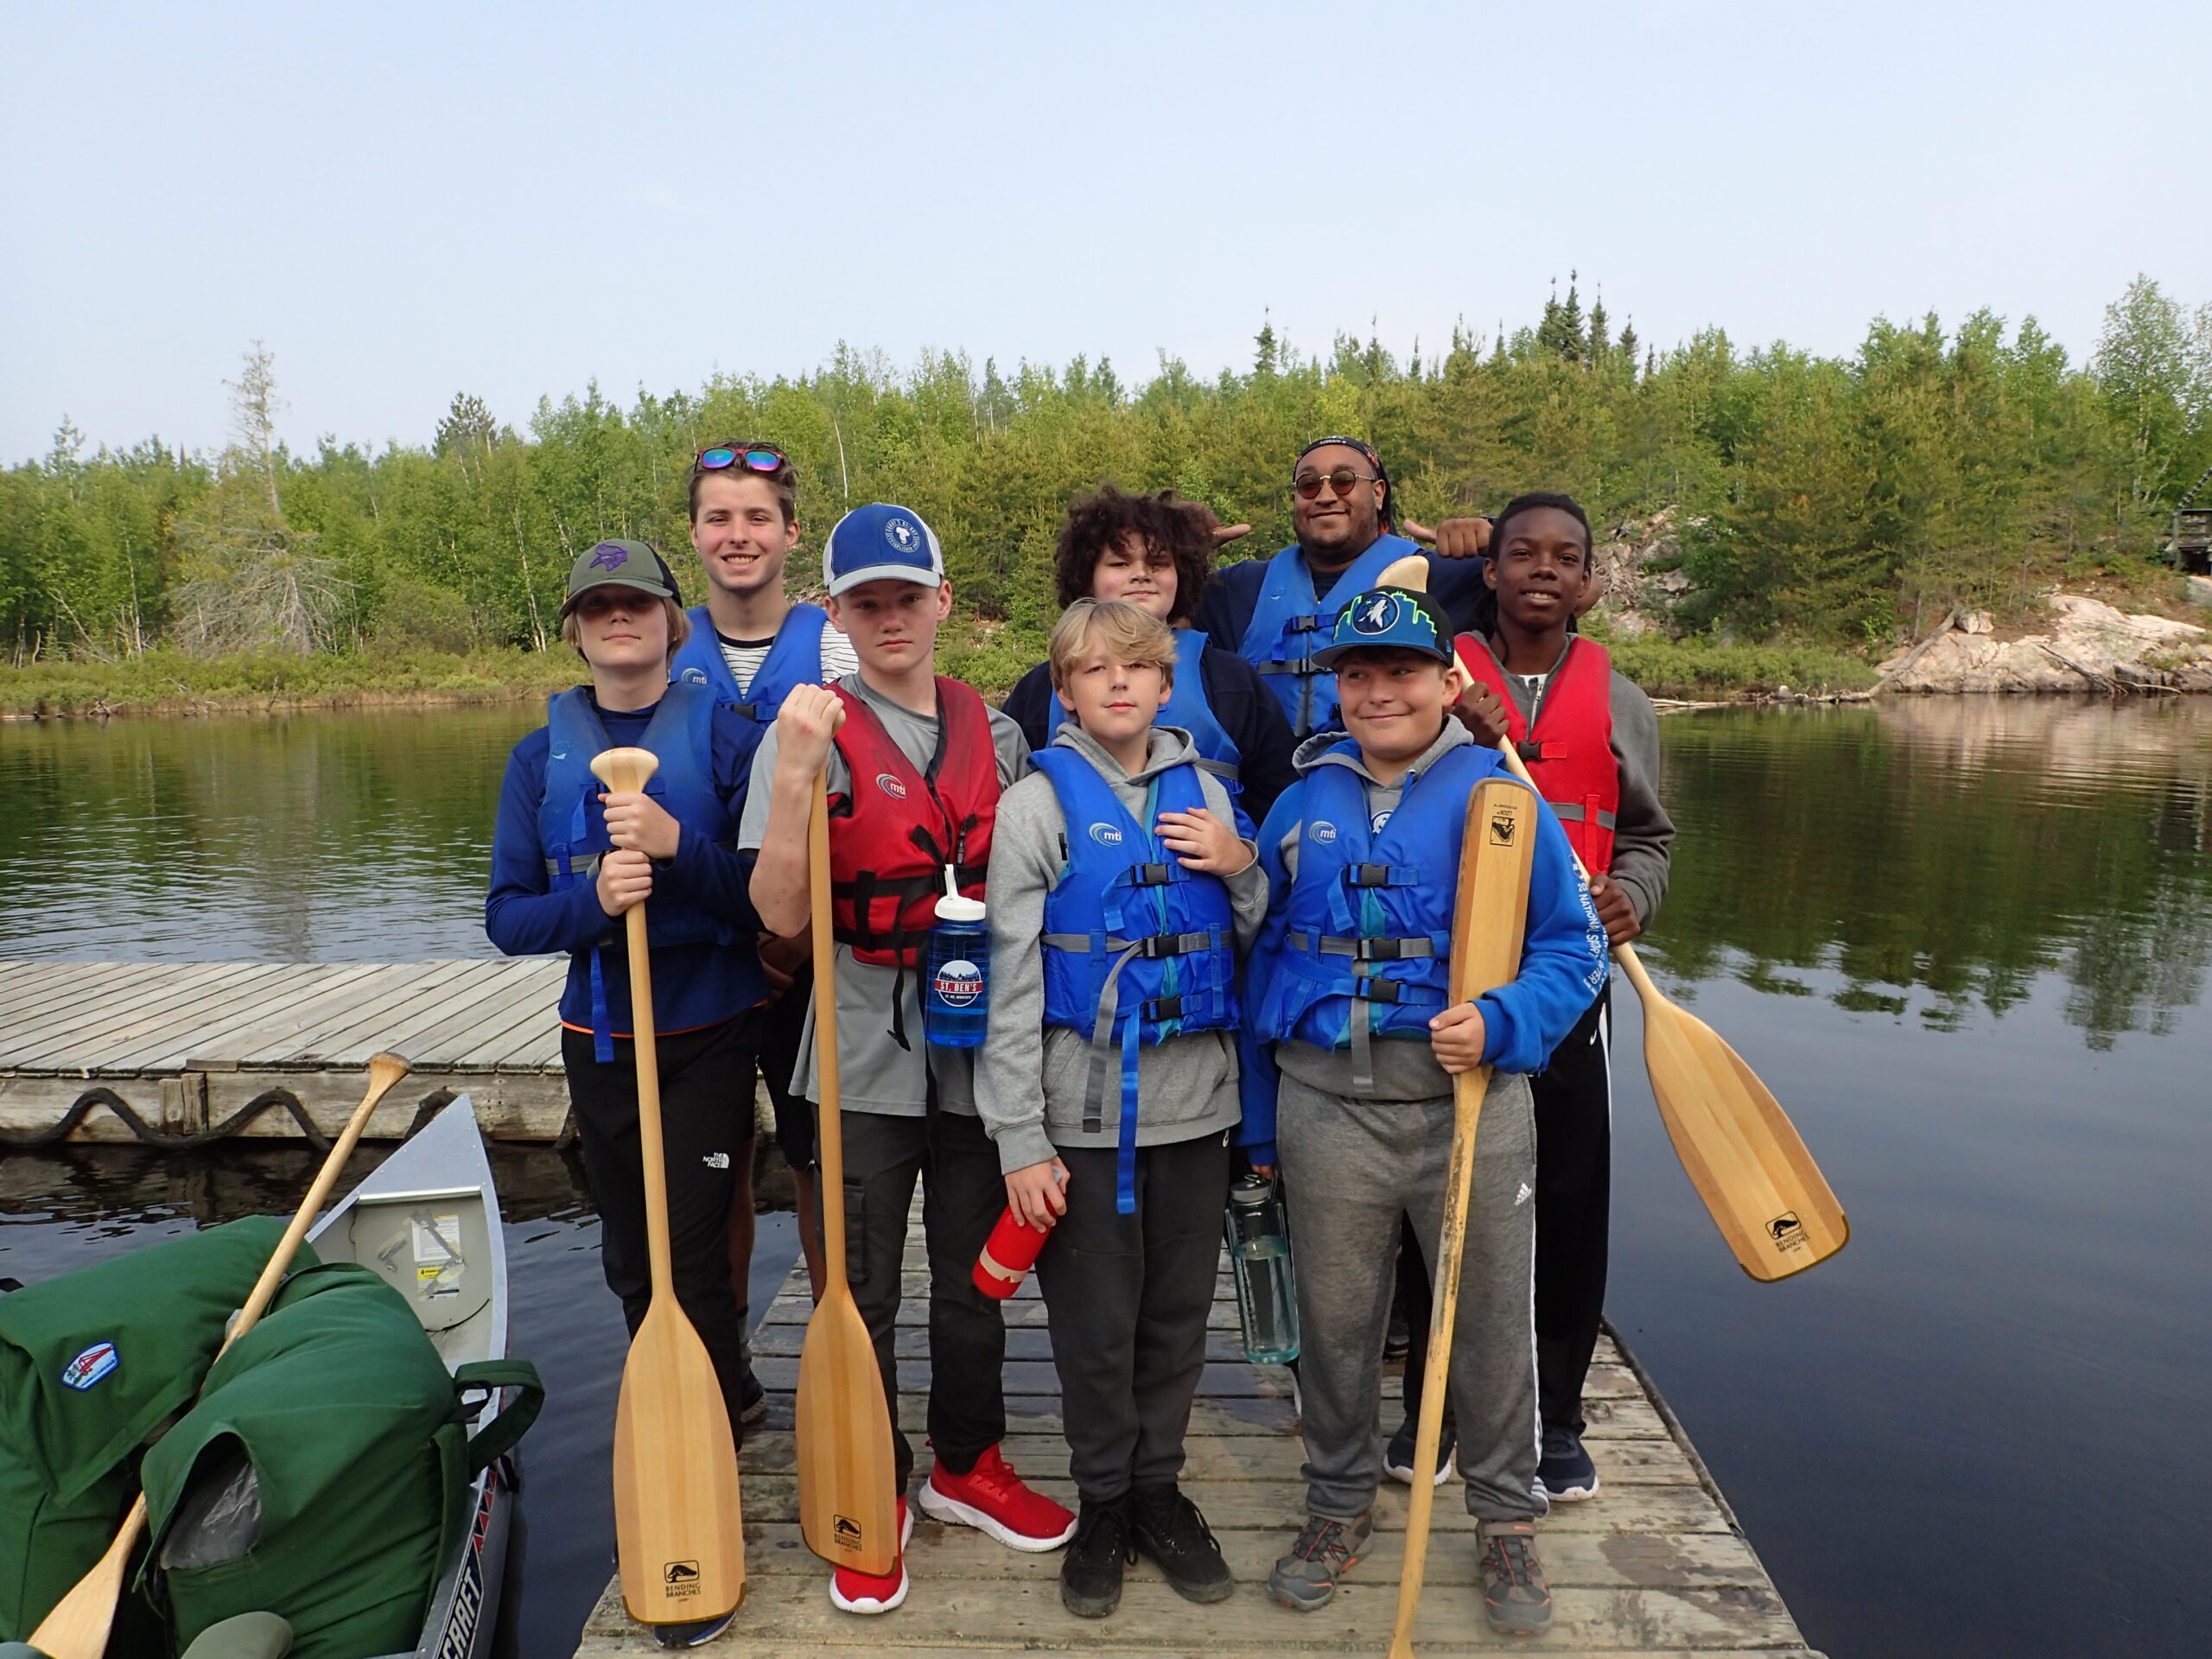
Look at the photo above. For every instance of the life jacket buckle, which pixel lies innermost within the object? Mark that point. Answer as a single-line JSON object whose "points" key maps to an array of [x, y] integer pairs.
{"points": [[1376, 990], [1164, 1007], [1152, 876], [1530, 752], [1371, 875]]}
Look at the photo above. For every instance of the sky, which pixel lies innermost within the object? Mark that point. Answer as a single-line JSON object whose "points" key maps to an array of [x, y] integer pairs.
{"points": [[406, 201]]}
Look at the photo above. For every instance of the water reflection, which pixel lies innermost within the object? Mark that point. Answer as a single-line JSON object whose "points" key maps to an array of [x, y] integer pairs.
{"points": [[1941, 853], [325, 837]]}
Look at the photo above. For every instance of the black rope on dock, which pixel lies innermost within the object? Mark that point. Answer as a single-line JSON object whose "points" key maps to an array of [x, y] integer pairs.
{"points": [[267, 1100]]}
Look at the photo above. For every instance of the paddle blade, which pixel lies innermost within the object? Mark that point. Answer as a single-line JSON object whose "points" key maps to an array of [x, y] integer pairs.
{"points": [[847, 1478], [77, 1626], [678, 1536], [1742, 1152]]}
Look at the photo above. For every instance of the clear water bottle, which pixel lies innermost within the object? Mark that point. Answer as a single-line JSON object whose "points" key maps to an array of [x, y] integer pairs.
{"points": [[956, 992], [1259, 1257]]}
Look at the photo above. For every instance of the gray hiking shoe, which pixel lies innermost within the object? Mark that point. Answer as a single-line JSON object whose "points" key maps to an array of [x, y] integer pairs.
{"points": [[1306, 1577], [1515, 1595]]}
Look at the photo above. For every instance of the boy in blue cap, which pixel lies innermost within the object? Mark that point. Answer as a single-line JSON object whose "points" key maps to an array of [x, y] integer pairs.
{"points": [[914, 776], [1349, 1052]]}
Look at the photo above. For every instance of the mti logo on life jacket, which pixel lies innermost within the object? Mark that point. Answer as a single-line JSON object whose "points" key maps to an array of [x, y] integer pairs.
{"points": [[957, 984], [693, 676], [891, 785], [1105, 835], [1324, 832], [89, 1367]]}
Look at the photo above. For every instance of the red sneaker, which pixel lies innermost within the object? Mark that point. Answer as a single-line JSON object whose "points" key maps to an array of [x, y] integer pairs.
{"points": [[874, 1592], [991, 1498]]}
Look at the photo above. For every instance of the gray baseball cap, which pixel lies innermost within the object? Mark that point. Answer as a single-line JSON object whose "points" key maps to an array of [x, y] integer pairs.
{"points": [[619, 564]]}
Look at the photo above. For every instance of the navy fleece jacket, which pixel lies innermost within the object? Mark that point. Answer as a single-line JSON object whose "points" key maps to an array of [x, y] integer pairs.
{"points": [[1563, 959], [694, 985]]}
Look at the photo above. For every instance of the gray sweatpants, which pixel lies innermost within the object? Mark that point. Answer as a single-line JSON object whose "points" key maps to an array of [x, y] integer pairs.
{"points": [[1349, 1166]]}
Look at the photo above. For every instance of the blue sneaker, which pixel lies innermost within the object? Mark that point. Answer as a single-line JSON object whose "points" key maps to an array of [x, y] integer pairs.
{"points": [[1398, 1456], [1566, 1475], [693, 1636]]}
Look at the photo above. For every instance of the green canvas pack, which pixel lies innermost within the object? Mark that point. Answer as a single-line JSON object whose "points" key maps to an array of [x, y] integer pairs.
{"points": [[90, 1365], [359, 1462]]}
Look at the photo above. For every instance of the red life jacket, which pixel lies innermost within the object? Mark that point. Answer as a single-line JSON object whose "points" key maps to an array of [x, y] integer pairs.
{"points": [[1570, 754], [901, 827]]}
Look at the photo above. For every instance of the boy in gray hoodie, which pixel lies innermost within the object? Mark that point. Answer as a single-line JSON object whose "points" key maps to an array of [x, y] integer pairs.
{"points": [[1121, 895]]}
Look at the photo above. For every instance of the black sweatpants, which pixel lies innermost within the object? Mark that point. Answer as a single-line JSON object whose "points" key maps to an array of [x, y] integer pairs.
{"points": [[1127, 1299], [775, 1036], [1574, 1177], [961, 1196], [704, 1124]]}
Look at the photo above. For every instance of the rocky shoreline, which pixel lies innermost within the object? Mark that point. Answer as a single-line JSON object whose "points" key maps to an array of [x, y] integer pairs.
{"points": [[2089, 647]]}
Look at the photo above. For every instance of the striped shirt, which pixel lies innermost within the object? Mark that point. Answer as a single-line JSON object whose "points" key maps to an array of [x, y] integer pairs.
{"points": [[746, 655]]}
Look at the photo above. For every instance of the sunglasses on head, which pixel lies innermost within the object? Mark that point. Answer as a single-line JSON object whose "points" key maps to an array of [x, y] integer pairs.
{"points": [[1308, 485], [755, 457]]}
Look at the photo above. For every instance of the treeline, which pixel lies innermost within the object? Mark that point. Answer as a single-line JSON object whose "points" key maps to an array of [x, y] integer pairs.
{"points": [[1834, 499]]}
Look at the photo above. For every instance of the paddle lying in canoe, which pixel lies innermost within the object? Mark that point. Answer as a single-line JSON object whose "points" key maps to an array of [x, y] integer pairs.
{"points": [[679, 1541], [78, 1626], [1745, 1157], [1489, 914]]}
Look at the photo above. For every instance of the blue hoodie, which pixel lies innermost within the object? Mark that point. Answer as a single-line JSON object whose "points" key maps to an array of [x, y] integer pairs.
{"points": [[1563, 953]]}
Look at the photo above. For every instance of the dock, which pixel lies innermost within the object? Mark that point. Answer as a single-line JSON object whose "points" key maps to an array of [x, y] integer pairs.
{"points": [[1654, 1564], [188, 1047]]}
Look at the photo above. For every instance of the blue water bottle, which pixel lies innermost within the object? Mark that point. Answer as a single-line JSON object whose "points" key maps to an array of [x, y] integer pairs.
{"points": [[957, 993]]}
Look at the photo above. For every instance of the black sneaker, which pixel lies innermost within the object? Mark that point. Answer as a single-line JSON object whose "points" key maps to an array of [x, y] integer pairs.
{"points": [[1398, 1456], [1090, 1572], [1167, 1527], [1566, 1475], [752, 1399], [1514, 1595]]}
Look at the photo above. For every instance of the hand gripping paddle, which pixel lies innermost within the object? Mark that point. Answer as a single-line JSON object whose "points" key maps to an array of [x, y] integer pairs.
{"points": [[847, 1478], [1488, 918], [679, 1540]]}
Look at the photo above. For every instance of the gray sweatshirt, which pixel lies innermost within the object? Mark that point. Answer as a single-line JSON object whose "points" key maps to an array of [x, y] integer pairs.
{"points": [[1186, 1086]]}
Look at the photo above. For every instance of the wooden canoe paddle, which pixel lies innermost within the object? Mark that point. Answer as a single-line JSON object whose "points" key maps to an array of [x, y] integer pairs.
{"points": [[1490, 913], [1743, 1154], [847, 1477], [78, 1625], [679, 1539]]}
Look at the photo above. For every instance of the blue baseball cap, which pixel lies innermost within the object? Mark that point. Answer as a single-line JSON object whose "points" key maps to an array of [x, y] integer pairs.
{"points": [[1389, 619], [871, 544]]}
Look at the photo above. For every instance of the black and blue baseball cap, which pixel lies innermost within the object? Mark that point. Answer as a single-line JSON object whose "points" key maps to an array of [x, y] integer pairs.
{"points": [[874, 542], [1389, 619]]}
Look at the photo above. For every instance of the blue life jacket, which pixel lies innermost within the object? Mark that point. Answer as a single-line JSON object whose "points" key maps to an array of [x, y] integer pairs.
{"points": [[1289, 624], [1186, 707], [572, 825], [1367, 943], [795, 658], [1137, 949]]}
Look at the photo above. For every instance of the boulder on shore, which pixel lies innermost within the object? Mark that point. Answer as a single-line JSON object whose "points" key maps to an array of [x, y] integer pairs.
{"points": [[2089, 647]]}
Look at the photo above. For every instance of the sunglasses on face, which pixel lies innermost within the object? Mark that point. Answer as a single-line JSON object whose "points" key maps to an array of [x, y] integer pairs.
{"points": [[1308, 485], [757, 458]]}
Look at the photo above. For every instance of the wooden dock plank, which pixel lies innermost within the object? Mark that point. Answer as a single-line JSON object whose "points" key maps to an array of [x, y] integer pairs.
{"points": [[333, 1039], [167, 1048], [69, 1007], [460, 1037], [533, 1017], [255, 1042], [72, 1041], [437, 1034], [28, 985], [1653, 1566]]}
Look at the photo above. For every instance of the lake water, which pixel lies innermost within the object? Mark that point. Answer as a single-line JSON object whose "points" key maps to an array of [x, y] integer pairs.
{"points": [[1965, 941]]}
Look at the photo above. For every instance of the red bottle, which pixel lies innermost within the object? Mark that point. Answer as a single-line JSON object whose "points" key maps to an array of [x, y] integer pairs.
{"points": [[1009, 1255]]}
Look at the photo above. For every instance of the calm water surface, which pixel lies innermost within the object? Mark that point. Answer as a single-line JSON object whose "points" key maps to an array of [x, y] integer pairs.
{"points": [[1964, 940]]}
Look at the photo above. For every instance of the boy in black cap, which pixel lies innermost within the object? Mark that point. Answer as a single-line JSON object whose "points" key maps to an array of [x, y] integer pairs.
{"points": [[1349, 1048], [568, 858]]}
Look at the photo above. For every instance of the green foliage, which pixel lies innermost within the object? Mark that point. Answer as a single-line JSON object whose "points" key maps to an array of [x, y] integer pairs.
{"points": [[1843, 500], [164, 678], [1696, 668]]}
